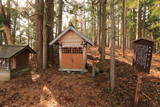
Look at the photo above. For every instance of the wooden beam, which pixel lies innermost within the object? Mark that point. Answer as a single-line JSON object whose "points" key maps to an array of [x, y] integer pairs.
{"points": [[65, 69]]}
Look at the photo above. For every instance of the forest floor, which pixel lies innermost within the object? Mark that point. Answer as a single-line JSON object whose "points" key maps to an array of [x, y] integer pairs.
{"points": [[60, 89]]}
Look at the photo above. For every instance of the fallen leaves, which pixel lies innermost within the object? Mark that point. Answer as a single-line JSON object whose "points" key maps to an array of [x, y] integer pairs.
{"points": [[52, 88]]}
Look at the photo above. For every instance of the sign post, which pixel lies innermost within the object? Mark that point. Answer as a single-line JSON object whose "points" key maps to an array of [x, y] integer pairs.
{"points": [[141, 62], [138, 89]]}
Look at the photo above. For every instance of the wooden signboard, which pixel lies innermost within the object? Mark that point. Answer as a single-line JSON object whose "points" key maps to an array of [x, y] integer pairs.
{"points": [[142, 55], [141, 62]]}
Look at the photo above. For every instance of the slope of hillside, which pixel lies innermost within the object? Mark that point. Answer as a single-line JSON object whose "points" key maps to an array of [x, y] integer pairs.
{"points": [[52, 88]]}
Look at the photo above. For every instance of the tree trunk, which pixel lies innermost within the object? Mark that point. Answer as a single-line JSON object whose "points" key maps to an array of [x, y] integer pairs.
{"points": [[8, 16], [8, 34], [5, 38], [15, 24], [94, 32], [45, 39], [99, 26], [60, 16], [107, 37], [76, 24], [20, 39], [133, 31], [94, 24], [112, 70], [56, 24], [144, 18], [14, 28], [103, 30], [81, 20], [6, 24], [28, 31], [39, 4], [123, 28], [49, 28], [138, 27], [118, 35], [107, 31], [84, 21], [28, 23], [1, 38]]}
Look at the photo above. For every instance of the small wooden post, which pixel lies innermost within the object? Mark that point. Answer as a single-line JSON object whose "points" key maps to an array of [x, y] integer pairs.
{"points": [[84, 57], [94, 70], [138, 88], [60, 56], [8, 61]]}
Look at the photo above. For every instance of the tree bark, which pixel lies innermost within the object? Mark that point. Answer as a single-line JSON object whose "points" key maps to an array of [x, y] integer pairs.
{"points": [[99, 26], [49, 28], [45, 39], [60, 12], [144, 18], [8, 16], [39, 4], [112, 70], [138, 27], [94, 23], [8, 34], [84, 20], [6, 25], [28, 23], [14, 28], [81, 20], [15, 23], [103, 39], [118, 35], [47, 33], [123, 28]]}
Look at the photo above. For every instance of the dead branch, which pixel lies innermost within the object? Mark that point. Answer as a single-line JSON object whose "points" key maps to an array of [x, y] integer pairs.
{"points": [[149, 98]]}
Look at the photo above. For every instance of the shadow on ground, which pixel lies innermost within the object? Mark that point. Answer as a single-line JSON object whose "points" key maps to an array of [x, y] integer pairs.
{"points": [[52, 88]]}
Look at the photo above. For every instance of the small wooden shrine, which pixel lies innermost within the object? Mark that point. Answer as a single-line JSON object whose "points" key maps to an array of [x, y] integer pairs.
{"points": [[14, 60], [72, 49]]}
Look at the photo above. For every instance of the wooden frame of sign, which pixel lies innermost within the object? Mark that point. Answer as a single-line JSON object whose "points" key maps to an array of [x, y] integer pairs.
{"points": [[141, 62]]}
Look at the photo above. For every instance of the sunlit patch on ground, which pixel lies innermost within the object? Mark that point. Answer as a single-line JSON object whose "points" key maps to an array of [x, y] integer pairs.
{"points": [[47, 99], [35, 76]]}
